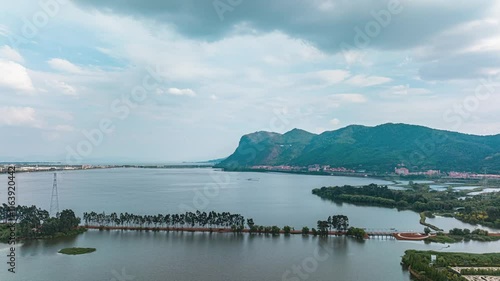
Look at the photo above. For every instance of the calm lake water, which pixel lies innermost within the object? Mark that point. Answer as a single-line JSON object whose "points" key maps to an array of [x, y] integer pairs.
{"points": [[268, 198]]}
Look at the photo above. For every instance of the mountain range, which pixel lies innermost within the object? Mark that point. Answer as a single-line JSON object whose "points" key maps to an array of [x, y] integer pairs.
{"points": [[378, 149]]}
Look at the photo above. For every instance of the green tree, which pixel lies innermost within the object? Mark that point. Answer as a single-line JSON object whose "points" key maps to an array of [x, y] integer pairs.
{"points": [[427, 230], [314, 231], [275, 230], [358, 233], [287, 229], [323, 228], [305, 230]]}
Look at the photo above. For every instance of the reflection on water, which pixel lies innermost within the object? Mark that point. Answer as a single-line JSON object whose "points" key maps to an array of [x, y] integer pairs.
{"points": [[275, 199], [486, 190], [216, 256]]}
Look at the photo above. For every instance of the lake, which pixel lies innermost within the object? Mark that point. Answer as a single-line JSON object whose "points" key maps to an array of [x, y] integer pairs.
{"points": [[268, 198]]}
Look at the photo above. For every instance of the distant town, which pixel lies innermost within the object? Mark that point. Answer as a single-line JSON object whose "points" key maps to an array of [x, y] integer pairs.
{"points": [[316, 168], [402, 171], [398, 171], [45, 167]]}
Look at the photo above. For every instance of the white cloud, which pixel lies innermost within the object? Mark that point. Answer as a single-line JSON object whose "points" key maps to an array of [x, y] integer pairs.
{"points": [[333, 76], [64, 87], [51, 136], [181, 92], [405, 90], [335, 121], [309, 81], [355, 57], [19, 116], [64, 115], [366, 81], [4, 31], [15, 76], [8, 53], [352, 98], [64, 128], [326, 5], [64, 65], [487, 44], [479, 38], [213, 97]]}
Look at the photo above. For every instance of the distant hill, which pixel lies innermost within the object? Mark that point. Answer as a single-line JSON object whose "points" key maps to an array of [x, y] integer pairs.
{"points": [[378, 148], [213, 161]]}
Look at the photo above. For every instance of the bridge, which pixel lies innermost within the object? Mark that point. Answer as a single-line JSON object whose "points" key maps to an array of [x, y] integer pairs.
{"points": [[393, 233]]}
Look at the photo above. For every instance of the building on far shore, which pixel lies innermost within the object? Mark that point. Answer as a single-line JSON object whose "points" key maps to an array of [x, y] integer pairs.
{"points": [[402, 171]]}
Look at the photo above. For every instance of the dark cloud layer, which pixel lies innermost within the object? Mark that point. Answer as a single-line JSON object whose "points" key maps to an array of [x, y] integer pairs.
{"points": [[325, 28]]}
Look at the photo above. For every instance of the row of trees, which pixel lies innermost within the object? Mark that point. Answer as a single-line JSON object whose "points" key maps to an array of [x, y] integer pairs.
{"points": [[34, 222], [188, 219], [212, 219], [466, 232]]}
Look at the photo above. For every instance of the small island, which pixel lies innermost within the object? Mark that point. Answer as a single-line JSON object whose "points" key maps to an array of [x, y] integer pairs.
{"points": [[76, 251]]}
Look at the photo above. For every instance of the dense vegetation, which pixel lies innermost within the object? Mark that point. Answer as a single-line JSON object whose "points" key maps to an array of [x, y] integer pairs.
{"points": [[189, 219], [483, 209], [420, 263], [33, 223], [76, 251], [459, 235], [378, 149], [224, 220]]}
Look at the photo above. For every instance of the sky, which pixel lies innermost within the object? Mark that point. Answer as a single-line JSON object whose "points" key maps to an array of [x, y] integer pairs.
{"points": [[183, 80]]}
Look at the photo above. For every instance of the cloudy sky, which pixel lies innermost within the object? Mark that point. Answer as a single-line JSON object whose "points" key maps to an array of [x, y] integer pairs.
{"points": [[182, 80]]}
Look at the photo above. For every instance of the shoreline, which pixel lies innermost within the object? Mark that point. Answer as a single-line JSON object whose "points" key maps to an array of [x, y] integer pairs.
{"points": [[395, 235], [391, 178], [104, 167]]}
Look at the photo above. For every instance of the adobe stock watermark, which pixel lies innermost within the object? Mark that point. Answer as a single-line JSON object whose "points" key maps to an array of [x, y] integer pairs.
{"points": [[463, 111], [121, 108], [457, 115], [39, 20], [309, 265], [201, 199], [121, 276], [364, 35], [223, 6], [11, 217]]}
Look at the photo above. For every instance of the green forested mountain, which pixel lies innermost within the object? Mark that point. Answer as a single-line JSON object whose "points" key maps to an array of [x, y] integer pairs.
{"points": [[378, 148]]}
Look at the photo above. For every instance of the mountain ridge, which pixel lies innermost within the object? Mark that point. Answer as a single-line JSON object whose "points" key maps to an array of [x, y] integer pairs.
{"points": [[376, 148]]}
